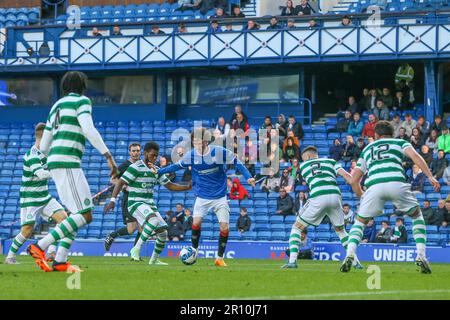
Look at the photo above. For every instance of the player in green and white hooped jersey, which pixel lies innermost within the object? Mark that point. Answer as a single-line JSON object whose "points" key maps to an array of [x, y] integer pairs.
{"points": [[34, 197], [324, 200], [140, 178], [68, 126], [386, 181]]}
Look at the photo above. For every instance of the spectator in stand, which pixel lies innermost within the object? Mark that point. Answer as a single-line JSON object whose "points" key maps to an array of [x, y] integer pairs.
{"points": [[427, 211], [438, 217], [164, 162], [349, 214], [304, 9], [312, 24], [238, 192], [168, 217], [444, 140], [240, 124], [271, 183], [285, 204], [360, 145], [364, 102], [385, 234], [446, 176], [346, 22], [285, 143], [291, 150], [370, 140], [356, 126], [237, 110], [95, 32], [244, 222], [175, 230], [402, 135], [335, 151], [446, 213], [237, 13], [423, 126], [404, 76], [432, 141], [281, 126], [439, 165], [220, 14], [228, 27], [342, 124], [416, 139], [289, 9], [295, 171], [179, 212], [386, 97], [251, 25], [349, 149], [400, 234], [397, 124], [182, 28], [437, 124], [381, 111], [222, 129], [369, 127], [353, 166], [156, 30], [373, 100], [295, 127], [116, 31], [370, 232], [274, 25], [214, 27], [426, 154], [300, 202], [409, 124], [187, 223], [400, 102], [417, 180], [267, 123], [291, 24], [188, 5], [287, 182], [352, 105]]}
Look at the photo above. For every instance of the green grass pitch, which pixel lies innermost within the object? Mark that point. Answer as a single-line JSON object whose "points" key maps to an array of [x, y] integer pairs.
{"points": [[118, 278]]}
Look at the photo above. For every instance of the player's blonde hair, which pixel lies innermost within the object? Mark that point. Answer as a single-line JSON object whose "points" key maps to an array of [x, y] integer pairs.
{"points": [[39, 130]]}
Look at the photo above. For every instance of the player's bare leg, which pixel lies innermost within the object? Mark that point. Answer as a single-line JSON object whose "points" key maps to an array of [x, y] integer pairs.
{"points": [[25, 233], [223, 239]]}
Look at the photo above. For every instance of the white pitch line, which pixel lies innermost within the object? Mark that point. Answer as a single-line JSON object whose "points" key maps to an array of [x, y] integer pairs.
{"points": [[338, 294]]}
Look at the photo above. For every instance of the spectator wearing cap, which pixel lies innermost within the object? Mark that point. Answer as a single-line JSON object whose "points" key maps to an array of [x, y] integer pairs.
{"points": [[381, 111], [437, 124], [444, 140], [289, 9], [291, 24], [237, 13], [304, 8], [409, 124], [369, 127], [274, 24], [156, 30], [214, 27], [439, 165], [285, 203], [355, 127]]}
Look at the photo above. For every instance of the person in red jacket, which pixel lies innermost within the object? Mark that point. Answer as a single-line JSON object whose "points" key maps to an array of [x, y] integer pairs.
{"points": [[369, 127], [237, 191]]}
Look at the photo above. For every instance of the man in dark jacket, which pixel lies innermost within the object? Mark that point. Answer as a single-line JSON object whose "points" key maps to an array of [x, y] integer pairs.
{"points": [[400, 234], [427, 212], [370, 232], [244, 222], [187, 223], [342, 125], [438, 214], [175, 231], [438, 165], [285, 203], [274, 24], [385, 234], [295, 127], [426, 154]]}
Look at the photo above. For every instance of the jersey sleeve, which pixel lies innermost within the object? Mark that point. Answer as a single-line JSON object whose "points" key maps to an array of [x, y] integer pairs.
{"points": [[337, 167], [35, 164], [163, 180], [406, 145], [130, 175], [85, 107], [362, 165]]}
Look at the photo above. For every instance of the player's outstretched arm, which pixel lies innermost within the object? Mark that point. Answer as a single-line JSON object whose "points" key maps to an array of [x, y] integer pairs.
{"points": [[178, 187], [112, 201], [355, 182], [171, 168], [418, 160], [344, 174]]}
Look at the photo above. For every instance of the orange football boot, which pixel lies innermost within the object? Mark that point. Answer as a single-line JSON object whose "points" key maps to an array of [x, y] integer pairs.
{"points": [[219, 262]]}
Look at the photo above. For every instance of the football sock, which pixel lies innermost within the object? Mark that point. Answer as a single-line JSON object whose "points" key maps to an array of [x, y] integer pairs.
{"points": [[138, 235], [223, 239], [355, 236], [196, 231], [52, 248], [294, 244], [419, 234], [343, 237], [160, 243], [66, 228], [149, 228], [18, 241], [119, 233], [63, 249]]}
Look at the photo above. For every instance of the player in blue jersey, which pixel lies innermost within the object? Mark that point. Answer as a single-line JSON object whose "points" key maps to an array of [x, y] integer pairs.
{"points": [[209, 181]]}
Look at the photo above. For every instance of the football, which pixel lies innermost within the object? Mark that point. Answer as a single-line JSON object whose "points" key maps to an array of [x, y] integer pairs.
{"points": [[188, 255]]}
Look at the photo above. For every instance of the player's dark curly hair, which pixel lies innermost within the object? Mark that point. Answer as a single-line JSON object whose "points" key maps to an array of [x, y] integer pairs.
{"points": [[152, 145], [384, 128], [73, 82]]}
